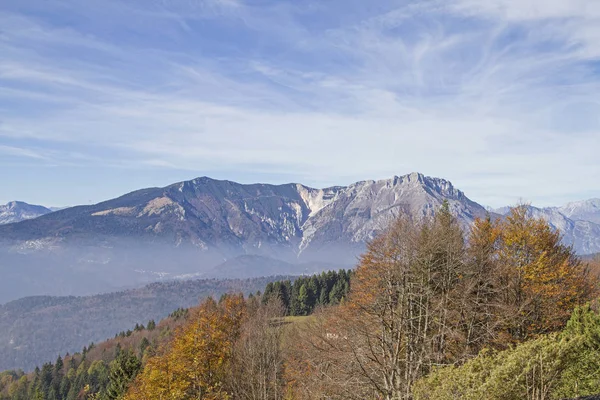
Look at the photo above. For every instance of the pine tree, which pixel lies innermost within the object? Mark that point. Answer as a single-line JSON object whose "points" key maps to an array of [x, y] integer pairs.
{"points": [[151, 325], [286, 290], [269, 292], [122, 371], [65, 386], [324, 296], [294, 302], [144, 345], [337, 292], [58, 366], [57, 376], [46, 379], [303, 300]]}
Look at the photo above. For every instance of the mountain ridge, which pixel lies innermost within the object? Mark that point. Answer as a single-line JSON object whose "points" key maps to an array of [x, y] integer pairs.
{"points": [[190, 227], [188, 199], [583, 210]]}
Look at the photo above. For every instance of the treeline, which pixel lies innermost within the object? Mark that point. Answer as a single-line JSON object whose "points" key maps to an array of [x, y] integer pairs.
{"points": [[304, 294], [82, 380]]}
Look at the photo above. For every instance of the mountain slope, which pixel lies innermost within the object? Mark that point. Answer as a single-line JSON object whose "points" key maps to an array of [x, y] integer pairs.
{"points": [[361, 210], [17, 211], [235, 218]]}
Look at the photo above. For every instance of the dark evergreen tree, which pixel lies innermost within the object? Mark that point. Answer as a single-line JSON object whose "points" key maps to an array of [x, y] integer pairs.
{"points": [[337, 292], [65, 386], [122, 371], [57, 376], [286, 290], [46, 378], [151, 325], [304, 300], [143, 346], [294, 303]]}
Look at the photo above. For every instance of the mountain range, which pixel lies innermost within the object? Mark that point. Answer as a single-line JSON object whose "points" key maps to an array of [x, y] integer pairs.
{"points": [[215, 228]]}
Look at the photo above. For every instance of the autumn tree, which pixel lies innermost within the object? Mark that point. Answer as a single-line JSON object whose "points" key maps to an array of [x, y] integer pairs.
{"points": [[196, 363], [257, 360], [480, 289], [543, 279], [399, 320], [423, 297]]}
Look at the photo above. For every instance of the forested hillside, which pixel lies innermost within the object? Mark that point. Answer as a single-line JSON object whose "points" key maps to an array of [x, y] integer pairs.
{"points": [[37, 329], [505, 313], [102, 371], [99, 368]]}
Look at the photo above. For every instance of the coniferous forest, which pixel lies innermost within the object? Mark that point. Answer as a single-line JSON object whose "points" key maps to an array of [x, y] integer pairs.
{"points": [[304, 294], [502, 311]]}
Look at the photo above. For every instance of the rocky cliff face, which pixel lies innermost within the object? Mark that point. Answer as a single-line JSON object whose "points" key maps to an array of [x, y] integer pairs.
{"points": [[358, 212]]}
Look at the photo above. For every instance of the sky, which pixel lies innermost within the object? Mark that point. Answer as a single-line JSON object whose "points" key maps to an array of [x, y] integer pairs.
{"points": [[102, 97]]}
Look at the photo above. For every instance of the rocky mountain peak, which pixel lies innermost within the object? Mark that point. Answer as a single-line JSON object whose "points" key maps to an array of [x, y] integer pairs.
{"points": [[413, 177], [433, 186], [17, 211], [588, 210]]}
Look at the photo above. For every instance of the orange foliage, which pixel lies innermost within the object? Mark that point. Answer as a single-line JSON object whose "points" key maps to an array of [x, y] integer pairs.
{"points": [[544, 279], [420, 298], [196, 362]]}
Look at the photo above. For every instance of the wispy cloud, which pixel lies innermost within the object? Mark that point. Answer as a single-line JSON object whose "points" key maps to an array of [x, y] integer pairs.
{"points": [[20, 152], [500, 97]]}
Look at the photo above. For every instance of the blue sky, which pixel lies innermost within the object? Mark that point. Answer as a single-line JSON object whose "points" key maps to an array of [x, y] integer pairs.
{"points": [[101, 97]]}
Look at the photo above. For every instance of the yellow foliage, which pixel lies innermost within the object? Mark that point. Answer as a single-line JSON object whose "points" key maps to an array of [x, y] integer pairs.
{"points": [[195, 363], [545, 280]]}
